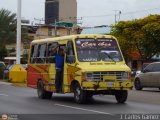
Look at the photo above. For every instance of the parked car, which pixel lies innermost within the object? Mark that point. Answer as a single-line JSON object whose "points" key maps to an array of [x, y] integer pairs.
{"points": [[148, 77], [2, 68], [2, 64], [135, 72]]}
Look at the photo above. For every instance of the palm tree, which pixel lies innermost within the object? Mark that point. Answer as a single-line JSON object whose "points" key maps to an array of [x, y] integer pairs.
{"points": [[7, 30], [7, 27]]}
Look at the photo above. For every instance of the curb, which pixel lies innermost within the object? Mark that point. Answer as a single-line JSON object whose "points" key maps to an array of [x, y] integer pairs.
{"points": [[4, 82], [19, 84]]}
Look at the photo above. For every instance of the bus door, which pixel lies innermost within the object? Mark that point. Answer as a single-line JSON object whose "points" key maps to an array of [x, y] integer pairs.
{"points": [[69, 66], [62, 77]]}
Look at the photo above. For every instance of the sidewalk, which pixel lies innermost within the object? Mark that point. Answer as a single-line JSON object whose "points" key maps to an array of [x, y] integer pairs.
{"points": [[5, 82]]}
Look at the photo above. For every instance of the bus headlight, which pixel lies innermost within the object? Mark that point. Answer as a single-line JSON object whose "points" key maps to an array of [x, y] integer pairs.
{"points": [[125, 75], [89, 76]]}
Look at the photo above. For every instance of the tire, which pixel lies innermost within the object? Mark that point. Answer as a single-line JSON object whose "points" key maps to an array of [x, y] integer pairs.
{"points": [[80, 95], [89, 95], [42, 94], [137, 84], [121, 96], [48, 95]]}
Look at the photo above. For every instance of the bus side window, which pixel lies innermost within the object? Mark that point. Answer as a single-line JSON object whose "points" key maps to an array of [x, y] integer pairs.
{"points": [[51, 53], [70, 55], [34, 53], [41, 53]]}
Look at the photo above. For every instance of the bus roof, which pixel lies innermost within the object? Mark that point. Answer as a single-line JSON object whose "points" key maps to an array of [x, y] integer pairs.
{"points": [[69, 37]]}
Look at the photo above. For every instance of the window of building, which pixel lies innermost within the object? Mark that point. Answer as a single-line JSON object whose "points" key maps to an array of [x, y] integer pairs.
{"points": [[68, 32], [39, 33], [49, 31], [57, 32]]}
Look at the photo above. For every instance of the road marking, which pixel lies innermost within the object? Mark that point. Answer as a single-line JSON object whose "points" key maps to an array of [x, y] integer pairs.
{"points": [[83, 109], [3, 94]]}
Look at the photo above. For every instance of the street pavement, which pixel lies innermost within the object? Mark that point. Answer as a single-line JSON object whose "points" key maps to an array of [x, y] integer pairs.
{"points": [[22, 101]]}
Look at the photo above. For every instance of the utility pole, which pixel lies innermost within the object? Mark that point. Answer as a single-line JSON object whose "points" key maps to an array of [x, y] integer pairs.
{"points": [[119, 13], [18, 46], [55, 27]]}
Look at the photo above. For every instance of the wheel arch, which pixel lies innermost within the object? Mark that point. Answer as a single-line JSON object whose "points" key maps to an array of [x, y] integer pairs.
{"points": [[137, 78]]}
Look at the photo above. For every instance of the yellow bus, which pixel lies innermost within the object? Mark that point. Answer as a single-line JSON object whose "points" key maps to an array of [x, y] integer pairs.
{"points": [[93, 64]]}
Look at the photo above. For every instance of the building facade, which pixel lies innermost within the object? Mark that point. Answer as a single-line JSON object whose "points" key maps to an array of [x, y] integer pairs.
{"points": [[60, 10], [49, 31]]}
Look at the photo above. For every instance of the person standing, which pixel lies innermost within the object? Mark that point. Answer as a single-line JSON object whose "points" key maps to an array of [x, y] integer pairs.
{"points": [[59, 70]]}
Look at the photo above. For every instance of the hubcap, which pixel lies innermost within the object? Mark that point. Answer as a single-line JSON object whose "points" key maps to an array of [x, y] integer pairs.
{"points": [[78, 92]]}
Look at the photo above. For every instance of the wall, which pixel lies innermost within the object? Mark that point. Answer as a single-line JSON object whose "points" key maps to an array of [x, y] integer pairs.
{"points": [[42, 32], [68, 10]]}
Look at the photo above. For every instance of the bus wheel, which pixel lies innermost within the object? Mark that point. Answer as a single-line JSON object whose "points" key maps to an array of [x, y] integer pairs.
{"points": [[80, 95], [121, 96], [41, 92]]}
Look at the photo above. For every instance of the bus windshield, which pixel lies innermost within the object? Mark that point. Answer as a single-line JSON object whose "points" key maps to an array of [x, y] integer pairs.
{"points": [[93, 50]]}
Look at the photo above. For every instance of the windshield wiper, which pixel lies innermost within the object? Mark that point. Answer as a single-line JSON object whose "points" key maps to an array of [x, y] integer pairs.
{"points": [[108, 55]]}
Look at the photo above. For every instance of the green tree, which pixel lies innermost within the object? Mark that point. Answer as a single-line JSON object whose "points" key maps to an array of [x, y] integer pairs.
{"points": [[141, 35], [7, 27], [8, 23], [3, 52], [7, 30]]}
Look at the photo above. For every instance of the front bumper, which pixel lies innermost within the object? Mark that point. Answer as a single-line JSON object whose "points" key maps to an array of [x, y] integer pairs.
{"points": [[107, 85]]}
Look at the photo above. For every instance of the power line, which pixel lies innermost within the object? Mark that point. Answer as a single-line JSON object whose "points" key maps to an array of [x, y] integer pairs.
{"points": [[125, 13], [97, 16], [138, 11]]}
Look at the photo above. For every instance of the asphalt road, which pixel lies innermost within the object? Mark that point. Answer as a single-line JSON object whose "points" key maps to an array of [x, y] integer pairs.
{"points": [[23, 101]]}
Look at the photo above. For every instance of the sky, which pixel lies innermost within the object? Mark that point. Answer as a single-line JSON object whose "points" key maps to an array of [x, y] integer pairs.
{"points": [[91, 12]]}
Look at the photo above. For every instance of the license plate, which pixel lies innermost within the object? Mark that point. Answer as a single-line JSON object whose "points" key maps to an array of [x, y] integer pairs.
{"points": [[110, 84], [109, 77]]}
